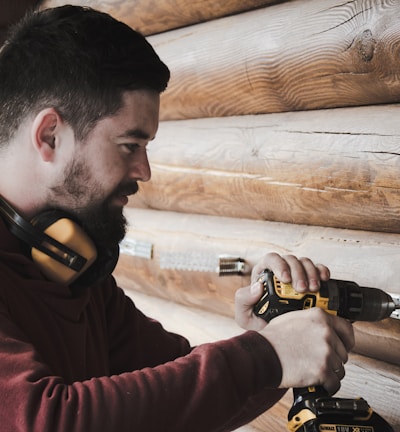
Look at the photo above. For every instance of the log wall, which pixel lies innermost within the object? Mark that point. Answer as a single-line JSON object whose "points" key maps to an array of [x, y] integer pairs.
{"points": [[336, 168], [294, 56], [279, 131], [154, 16]]}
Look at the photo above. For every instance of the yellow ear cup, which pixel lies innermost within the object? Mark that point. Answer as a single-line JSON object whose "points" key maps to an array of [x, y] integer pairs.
{"points": [[68, 233]]}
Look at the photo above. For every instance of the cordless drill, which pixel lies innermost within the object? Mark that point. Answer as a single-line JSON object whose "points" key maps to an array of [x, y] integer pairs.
{"points": [[313, 410]]}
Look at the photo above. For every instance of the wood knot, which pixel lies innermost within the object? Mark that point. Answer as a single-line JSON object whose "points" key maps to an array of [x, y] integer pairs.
{"points": [[366, 46]]}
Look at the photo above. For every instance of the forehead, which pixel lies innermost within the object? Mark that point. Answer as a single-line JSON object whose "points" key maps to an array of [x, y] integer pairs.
{"points": [[137, 118]]}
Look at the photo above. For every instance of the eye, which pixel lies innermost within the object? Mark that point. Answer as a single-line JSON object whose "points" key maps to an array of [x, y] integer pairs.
{"points": [[130, 148]]}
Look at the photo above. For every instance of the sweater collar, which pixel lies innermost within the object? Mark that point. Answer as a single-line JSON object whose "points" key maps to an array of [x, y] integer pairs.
{"points": [[64, 300]]}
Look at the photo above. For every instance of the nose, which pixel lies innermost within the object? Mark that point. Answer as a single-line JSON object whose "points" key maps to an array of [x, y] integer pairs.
{"points": [[140, 169]]}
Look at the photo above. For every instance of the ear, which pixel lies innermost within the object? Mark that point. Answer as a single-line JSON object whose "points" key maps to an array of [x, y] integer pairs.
{"points": [[45, 128]]}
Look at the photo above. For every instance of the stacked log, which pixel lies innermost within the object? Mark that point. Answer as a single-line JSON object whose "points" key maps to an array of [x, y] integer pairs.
{"points": [[298, 55], [279, 131], [153, 16], [336, 168]]}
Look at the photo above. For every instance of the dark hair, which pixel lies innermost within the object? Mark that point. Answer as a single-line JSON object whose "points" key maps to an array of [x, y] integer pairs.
{"points": [[77, 60]]}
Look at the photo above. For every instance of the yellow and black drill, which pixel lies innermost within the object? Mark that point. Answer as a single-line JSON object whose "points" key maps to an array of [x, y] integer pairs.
{"points": [[313, 410]]}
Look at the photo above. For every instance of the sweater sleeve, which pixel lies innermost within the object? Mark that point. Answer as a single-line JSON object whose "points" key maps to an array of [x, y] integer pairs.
{"points": [[214, 387]]}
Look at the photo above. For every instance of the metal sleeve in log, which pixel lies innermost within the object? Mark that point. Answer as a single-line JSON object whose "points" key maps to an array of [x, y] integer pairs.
{"points": [[156, 16], [336, 168], [291, 56], [192, 241]]}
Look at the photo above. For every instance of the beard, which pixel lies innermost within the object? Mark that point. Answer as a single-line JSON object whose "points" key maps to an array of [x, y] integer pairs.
{"points": [[104, 223], [106, 226]]}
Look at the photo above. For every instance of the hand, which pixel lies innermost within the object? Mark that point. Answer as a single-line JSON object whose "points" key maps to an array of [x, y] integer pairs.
{"points": [[312, 347], [301, 272]]}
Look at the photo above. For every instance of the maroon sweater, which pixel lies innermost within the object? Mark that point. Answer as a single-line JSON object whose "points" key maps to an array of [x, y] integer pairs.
{"points": [[93, 362]]}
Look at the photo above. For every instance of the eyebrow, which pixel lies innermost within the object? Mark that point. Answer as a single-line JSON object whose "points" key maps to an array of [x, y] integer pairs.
{"points": [[136, 133]]}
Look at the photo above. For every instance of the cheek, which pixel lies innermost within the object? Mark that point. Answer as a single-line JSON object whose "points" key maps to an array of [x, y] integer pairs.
{"points": [[106, 163], [112, 174]]}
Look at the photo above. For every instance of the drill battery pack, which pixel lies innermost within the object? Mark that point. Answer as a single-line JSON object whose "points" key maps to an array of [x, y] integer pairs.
{"points": [[329, 414]]}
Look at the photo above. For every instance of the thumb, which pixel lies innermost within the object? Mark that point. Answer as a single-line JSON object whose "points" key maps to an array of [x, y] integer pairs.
{"points": [[256, 291], [245, 299]]}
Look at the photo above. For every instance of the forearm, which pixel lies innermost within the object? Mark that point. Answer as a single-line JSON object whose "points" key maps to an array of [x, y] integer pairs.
{"points": [[216, 384]]}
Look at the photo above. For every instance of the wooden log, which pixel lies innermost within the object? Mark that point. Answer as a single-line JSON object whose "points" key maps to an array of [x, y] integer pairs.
{"points": [[291, 56], [336, 168], [155, 16], [185, 251], [379, 340], [375, 381]]}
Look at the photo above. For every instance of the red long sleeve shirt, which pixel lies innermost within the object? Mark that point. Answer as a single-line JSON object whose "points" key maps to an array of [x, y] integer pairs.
{"points": [[93, 362]]}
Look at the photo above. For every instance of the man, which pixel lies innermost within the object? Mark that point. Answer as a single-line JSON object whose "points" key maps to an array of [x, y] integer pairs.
{"points": [[79, 101]]}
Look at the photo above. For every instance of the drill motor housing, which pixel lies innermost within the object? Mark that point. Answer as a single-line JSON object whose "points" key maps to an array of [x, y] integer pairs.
{"points": [[343, 298]]}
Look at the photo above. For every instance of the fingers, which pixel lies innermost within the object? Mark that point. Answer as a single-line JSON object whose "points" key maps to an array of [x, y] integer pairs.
{"points": [[339, 371], [311, 344], [340, 340], [331, 376], [274, 262], [344, 330], [301, 272], [312, 347]]}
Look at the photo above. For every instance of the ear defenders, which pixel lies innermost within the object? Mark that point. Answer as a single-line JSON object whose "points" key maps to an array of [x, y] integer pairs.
{"points": [[59, 246]]}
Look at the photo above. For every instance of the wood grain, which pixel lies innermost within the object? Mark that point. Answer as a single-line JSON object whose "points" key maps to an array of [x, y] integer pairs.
{"points": [[292, 56], [379, 340], [336, 168], [186, 250], [156, 16]]}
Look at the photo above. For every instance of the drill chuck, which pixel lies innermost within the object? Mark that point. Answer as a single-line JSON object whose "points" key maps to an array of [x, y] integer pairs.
{"points": [[358, 303], [396, 300]]}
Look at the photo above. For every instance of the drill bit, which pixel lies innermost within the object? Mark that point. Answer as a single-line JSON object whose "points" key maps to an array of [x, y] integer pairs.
{"points": [[396, 301]]}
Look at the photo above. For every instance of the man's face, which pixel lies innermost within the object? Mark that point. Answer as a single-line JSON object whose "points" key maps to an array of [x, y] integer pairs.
{"points": [[106, 167]]}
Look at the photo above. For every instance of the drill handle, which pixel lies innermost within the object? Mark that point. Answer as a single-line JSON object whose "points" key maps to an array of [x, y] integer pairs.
{"points": [[301, 393]]}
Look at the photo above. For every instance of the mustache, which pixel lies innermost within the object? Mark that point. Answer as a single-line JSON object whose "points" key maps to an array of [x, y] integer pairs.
{"points": [[127, 189]]}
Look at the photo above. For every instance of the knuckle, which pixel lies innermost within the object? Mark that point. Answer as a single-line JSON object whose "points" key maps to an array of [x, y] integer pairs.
{"points": [[319, 314], [239, 294], [269, 257], [305, 260], [324, 369], [289, 257]]}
